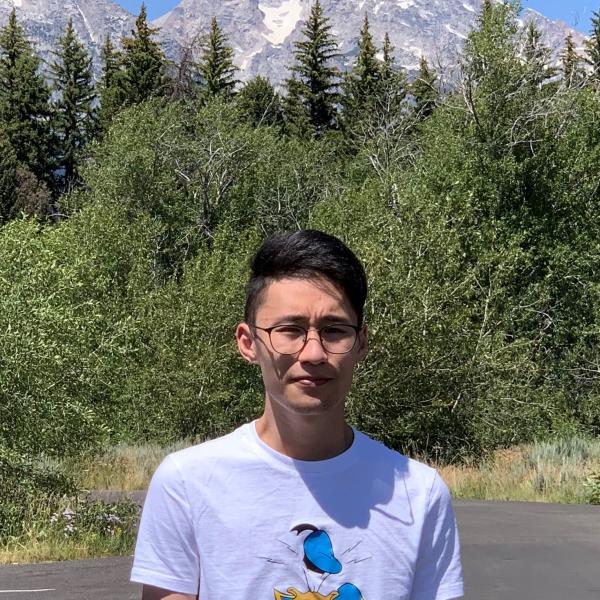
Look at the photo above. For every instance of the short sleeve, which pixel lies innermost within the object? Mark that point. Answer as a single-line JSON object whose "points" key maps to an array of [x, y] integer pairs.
{"points": [[166, 553], [438, 574]]}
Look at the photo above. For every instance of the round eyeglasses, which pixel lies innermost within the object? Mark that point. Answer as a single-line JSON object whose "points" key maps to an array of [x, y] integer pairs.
{"points": [[291, 339]]}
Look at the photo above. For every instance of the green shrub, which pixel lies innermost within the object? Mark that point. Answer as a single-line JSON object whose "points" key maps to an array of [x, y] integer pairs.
{"points": [[592, 488], [27, 486]]}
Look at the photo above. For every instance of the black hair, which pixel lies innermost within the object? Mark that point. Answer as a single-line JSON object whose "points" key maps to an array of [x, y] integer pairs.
{"points": [[305, 254]]}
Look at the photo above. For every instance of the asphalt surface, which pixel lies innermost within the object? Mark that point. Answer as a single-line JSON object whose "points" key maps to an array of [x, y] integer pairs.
{"points": [[511, 551]]}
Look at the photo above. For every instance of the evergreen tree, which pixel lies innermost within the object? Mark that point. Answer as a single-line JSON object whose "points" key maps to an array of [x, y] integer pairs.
{"points": [[8, 176], [537, 57], [393, 86], [216, 63], [593, 48], [316, 82], [361, 85], [74, 118], [487, 10], [424, 90], [387, 63], [24, 101], [258, 102], [110, 90], [572, 69], [296, 113], [367, 68], [143, 63], [110, 63]]}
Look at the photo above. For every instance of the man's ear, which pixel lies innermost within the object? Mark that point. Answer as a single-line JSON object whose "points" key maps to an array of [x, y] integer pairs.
{"points": [[246, 342], [362, 342]]}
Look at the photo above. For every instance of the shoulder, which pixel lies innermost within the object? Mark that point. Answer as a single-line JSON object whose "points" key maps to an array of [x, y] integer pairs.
{"points": [[418, 478], [197, 463]]}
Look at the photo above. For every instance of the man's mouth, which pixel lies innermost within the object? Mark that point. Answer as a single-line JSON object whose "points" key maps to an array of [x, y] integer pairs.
{"points": [[311, 381]]}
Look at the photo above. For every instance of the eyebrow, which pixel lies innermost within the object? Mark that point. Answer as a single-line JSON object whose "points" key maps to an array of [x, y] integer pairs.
{"points": [[302, 318]]}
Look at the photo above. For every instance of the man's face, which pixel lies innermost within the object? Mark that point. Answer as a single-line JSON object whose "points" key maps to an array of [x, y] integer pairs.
{"points": [[311, 381]]}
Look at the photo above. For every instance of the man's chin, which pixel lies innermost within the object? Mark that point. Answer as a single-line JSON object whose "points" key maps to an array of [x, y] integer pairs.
{"points": [[311, 403]]}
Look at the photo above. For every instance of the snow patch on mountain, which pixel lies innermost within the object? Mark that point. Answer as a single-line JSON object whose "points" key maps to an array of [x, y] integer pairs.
{"points": [[281, 20], [453, 31], [263, 32], [248, 59], [91, 32]]}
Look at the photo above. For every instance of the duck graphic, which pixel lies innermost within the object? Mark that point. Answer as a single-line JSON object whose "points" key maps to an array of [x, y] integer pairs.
{"points": [[319, 558]]}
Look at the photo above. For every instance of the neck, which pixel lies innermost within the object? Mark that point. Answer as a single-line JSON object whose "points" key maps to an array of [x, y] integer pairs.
{"points": [[304, 437]]}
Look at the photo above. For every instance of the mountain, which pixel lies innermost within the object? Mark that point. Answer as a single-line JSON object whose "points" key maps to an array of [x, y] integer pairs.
{"points": [[262, 32], [45, 21]]}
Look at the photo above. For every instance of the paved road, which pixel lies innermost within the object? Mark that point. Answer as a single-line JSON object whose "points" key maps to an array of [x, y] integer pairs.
{"points": [[511, 551]]}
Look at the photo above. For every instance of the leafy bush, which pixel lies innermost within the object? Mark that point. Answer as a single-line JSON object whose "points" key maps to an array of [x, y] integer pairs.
{"points": [[25, 487], [592, 488], [96, 521], [66, 296]]}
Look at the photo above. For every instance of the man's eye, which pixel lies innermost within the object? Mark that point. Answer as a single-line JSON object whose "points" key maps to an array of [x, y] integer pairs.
{"points": [[338, 330], [289, 330]]}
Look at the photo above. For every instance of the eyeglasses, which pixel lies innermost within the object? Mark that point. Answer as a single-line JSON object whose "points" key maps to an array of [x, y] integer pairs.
{"points": [[291, 339]]}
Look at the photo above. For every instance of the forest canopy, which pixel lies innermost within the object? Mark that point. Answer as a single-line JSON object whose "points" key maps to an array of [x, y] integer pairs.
{"points": [[129, 210]]}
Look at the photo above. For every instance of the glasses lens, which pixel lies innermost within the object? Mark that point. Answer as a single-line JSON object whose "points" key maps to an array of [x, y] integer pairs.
{"points": [[338, 339], [287, 339]]}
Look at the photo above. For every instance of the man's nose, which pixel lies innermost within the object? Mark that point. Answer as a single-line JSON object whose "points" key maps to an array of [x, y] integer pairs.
{"points": [[311, 351]]}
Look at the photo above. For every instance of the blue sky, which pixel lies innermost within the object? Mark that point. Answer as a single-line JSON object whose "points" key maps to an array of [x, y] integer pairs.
{"points": [[576, 13]]}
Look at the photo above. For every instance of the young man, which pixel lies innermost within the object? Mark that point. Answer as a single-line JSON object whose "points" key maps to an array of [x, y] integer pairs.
{"points": [[298, 505]]}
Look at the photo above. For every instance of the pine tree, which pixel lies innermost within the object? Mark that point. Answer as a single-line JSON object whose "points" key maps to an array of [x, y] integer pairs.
{"points": [[8, 176], [258, 103], [317, 81], [24, 101], [110, 89], [74, 117], [486, 12], [296, 112], [537, 57], [393, 87], [143, 63], [361, 85], [424, 90], [367, 68], [387, 63], [110, 63], [216, 63], [593, 48], [572, 69]]}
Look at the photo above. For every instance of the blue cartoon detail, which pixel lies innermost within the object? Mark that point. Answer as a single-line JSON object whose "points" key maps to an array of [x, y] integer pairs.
{"points": [[319, 557], [318, 550], [348, 591]]}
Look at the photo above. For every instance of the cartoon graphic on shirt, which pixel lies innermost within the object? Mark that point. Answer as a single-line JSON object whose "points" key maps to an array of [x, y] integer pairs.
{"points": [[319, 558]]}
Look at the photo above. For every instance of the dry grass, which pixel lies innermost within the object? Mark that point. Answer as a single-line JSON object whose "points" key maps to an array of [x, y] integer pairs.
{"points": [[541, 472], [121, 468], [31, 549]]}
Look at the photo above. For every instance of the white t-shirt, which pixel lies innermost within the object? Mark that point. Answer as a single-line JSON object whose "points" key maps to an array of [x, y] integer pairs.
{"points": [[233, 518]]}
